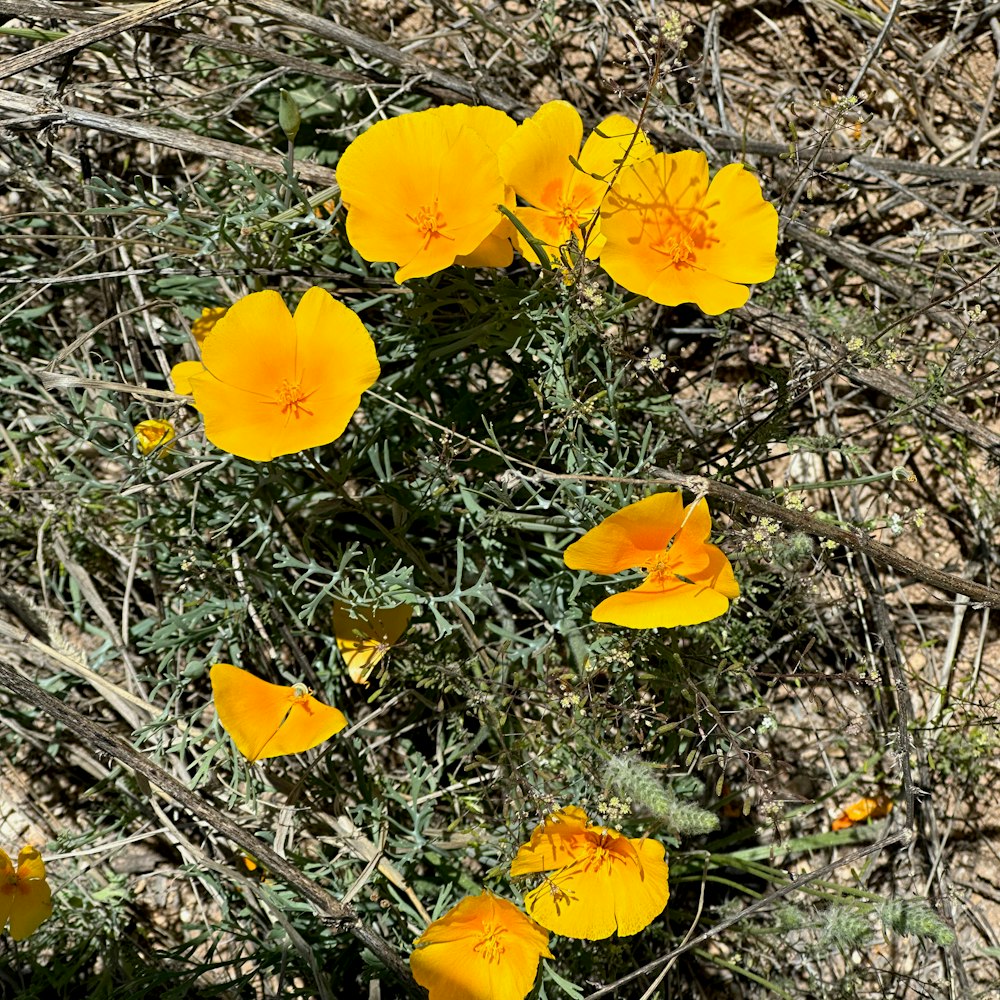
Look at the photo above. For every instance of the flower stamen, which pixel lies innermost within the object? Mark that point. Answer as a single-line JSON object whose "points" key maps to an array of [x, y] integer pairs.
{"points": [[429, 222], [291, 399]]}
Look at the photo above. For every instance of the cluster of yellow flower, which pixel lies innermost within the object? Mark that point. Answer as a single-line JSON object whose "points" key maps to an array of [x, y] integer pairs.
{"points": [[25, 898], [598, 882], [463, 185], [423, 190]]}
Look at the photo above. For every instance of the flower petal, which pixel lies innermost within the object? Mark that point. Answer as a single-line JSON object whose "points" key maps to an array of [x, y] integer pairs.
{"points": [[31, 899], [270, 384], [622, 887], [746, 227], [182, 373], [631, 537], [664, 607], [672, 237], [253, 345], [556, 843], [535, 160], [611, 146]]}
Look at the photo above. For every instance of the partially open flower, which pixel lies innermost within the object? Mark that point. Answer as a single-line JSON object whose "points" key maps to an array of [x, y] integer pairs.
{"points": [[25, 897], [600, 881], [483, 948], [271, 384], [153, 434], [422, 189], [562, 183], [688, 580], [673, 237]]}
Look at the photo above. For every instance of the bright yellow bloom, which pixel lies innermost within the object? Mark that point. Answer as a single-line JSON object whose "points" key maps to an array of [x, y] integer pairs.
{"points": [[422, 189], [25, 897], [563, 197], [483, 948], [673, 237], [153, 434], [688, 580], [271, 384], [270, 720], [202, 326], [600, 881]]}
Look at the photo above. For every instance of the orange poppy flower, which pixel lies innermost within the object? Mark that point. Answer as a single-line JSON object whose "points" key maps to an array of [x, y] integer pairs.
{"points": [[688, 580], [564, 196], [600, 881], [673, 237], [25, 897], [153, 434], [271, 384], [422, 189], [861, 811], [270, 720], [365, 635], [483, 948]]}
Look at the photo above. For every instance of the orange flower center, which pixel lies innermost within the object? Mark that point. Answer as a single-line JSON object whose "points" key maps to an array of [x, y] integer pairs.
{"points": [[667, 570], [677, 247], [681, 231], [489, 945], [291, 399], [430, 223]]}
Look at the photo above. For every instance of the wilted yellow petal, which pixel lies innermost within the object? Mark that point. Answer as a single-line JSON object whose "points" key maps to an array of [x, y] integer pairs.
{"points": [[25, 897], [205, 323]]}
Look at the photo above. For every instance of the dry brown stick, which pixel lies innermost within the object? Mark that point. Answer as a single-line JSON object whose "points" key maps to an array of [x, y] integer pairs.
{"points": [[87, 36], [42, 113], [747, 502], [837, 250], [887, 164], [324, 28], [47, 9], [99, 742], [898, 388]]}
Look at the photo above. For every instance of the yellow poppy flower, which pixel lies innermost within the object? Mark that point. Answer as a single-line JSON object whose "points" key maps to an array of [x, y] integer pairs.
{"points": [[688, 580], [25, 897], [483, 948], [673, 237], [205, 323], [270, 720], [564, 197], [271, 384], [153, 434], [422, 189], [600, 881]]}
